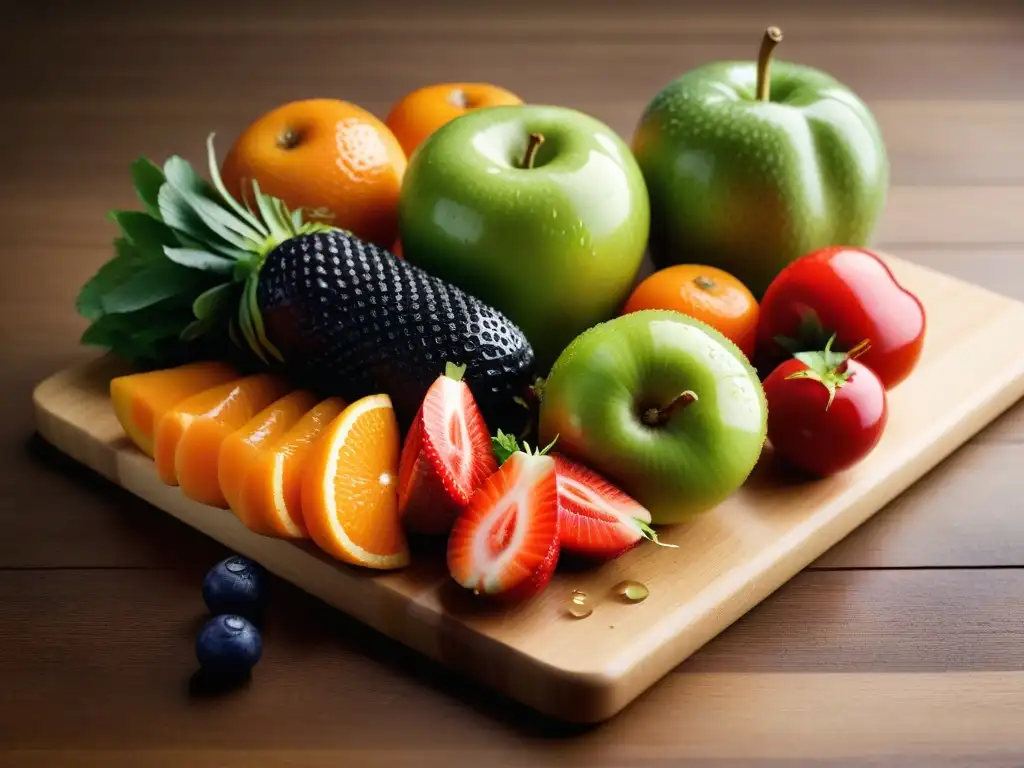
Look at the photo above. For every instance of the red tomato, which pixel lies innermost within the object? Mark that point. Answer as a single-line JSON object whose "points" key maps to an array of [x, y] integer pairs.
{"points": [[818, 436], [851, 293]]}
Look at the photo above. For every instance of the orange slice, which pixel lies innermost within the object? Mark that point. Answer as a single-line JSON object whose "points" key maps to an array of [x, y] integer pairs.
{"points": [[271, 494], [240, 449], [140, 399], [190, 435], [350, 487]]}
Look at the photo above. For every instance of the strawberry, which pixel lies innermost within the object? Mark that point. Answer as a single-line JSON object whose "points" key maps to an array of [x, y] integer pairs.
{"points": [[506, 542], [446, 456], [596, 519]]}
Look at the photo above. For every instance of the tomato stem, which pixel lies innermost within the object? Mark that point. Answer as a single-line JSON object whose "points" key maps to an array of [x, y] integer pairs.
{"points": [[772, 37], [655, 417], [536, 139]]}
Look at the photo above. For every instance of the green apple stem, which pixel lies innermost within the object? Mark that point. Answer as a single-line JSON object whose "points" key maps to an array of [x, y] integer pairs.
{"points": [[536, 139], [655, 417], [772, 37]]}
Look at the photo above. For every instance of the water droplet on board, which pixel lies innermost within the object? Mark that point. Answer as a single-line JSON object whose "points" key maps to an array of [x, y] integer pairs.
{"points": [[579, 605], [631, 591]]}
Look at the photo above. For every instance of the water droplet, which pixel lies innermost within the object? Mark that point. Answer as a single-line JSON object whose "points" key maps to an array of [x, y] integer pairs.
{"points": [[631, 591], [554, 213], [579, 606]]}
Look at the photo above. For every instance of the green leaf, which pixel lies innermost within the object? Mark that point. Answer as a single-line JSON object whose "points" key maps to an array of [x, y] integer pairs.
{"points": [[255, 318], [271, 215], [504, 446], [178, 213], [297, 220], [209, 303], [206, 201], [148, 178], [201, 260], [218, 182], [151, 283], [89, 302], [149, 234]]}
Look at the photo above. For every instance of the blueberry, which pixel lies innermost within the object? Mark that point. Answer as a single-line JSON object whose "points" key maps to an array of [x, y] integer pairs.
{"points": [[235, 585], [228, 646]]}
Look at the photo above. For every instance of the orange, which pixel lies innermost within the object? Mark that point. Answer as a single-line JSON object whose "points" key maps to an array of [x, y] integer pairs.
{"points": [[190, 435], [705, 293], [271, 493], [240, 449], [323, 155], [420, 113], [350, 487], [140, 399]]}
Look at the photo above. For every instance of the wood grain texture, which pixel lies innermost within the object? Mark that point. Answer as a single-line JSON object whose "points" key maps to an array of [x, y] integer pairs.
{"points": [[726, 562], [790, 649], [91, 85]]}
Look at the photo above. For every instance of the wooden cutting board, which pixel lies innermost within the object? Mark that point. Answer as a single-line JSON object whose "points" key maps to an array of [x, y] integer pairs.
{"points": [[588, 669]]}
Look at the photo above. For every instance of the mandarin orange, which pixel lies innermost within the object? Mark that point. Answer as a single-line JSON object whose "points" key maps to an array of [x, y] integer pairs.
{"points": [[330, 157], [418, 114], [708, 294]]}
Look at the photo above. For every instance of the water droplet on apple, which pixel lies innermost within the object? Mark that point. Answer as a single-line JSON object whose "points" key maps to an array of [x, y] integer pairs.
{"points": [[631, 591], [554, 213]]}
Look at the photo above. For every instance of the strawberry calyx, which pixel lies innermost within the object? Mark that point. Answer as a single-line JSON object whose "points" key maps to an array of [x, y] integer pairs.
{"points": [[454, 371], [505, 445], [651, 535], [828, 367]]}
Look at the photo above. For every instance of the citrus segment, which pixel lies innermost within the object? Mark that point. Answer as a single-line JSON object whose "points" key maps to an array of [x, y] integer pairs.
{"points": [[141, 399], [271, 494], [242, 447], [350, 487], [190, 435]]}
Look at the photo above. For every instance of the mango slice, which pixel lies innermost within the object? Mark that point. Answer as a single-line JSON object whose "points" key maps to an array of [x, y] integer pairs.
{"points": [[190, 435], [241, 447], [141, 399], [270, 501]]}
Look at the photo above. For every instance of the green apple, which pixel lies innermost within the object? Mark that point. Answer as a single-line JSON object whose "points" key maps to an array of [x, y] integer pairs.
{"points": [[751, 165], [539, 211], [661, 404]]}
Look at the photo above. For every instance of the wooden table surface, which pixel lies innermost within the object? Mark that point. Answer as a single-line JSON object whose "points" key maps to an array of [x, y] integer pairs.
{"points": [[903, 645]]}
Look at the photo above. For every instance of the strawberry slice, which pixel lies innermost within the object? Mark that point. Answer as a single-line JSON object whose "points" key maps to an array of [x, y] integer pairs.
{"points": [[596, 519], [506, 542], [446, 456]]}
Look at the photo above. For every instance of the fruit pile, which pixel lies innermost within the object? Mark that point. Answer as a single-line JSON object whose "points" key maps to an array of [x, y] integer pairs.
{"points": [[357, 330]]}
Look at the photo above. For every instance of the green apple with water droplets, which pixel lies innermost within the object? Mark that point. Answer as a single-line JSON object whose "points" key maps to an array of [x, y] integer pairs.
{"points": [[661, 404], [750, 165], [539, 211]]}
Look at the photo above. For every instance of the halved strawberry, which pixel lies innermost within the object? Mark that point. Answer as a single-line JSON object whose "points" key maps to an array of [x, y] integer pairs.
{"points": [[446, 456], [506, 542], [597, 520]]}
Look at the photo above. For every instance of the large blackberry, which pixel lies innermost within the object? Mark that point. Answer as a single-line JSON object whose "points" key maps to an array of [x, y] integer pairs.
{"points": [[351, 319]]}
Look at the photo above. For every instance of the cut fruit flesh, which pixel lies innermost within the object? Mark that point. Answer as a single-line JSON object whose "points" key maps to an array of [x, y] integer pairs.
{"points": [[243, 446], [447, 454], [456, 439], [141, 399], [350, 489], [190, 435], [596, 518], [271, 492], [505, 537]]}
